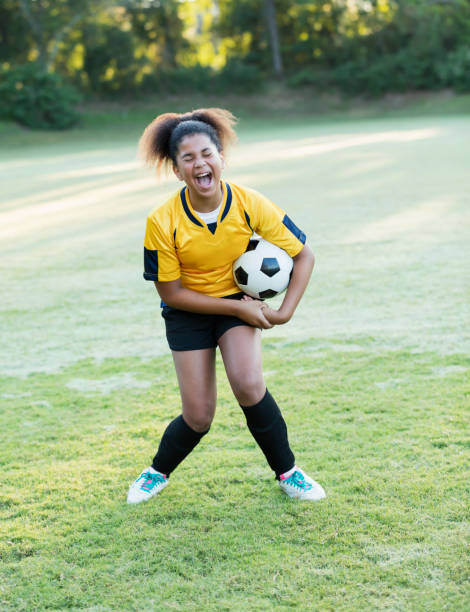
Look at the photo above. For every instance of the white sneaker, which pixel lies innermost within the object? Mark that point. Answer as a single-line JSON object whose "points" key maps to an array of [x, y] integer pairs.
{"points": [[148, 484], [301, 486]]}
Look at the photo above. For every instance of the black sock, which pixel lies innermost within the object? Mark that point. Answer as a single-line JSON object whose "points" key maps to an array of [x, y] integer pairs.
{"points": [[177, 442], [269, 429]]}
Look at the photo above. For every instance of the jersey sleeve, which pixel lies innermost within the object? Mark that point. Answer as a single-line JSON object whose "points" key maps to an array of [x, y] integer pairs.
{"points": [[273, 224], [160, 260]]}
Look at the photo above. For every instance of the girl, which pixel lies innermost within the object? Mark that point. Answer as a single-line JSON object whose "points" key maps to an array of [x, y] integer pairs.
{"points": [[191, 242]]}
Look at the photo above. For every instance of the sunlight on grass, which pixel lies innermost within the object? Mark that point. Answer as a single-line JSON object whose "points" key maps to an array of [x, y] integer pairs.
{"points": [[95, 171], [423, 219], [340, 143], [383, 203]]}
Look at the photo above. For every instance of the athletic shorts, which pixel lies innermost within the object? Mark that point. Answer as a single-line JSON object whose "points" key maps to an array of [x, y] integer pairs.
{"points": [[191, 331]]}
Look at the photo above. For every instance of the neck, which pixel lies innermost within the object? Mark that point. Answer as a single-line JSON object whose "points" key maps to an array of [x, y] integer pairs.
{"points": [[202, 204]]}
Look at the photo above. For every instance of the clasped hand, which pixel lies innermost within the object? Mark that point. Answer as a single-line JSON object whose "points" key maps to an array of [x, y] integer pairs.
{"points": [[259, 314]]}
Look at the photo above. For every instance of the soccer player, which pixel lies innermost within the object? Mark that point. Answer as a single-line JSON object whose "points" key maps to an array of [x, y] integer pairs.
{"points": [[191, 242]]}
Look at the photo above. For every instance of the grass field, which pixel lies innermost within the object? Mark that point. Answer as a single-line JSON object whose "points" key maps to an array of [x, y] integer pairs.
{"points": [[372, 374]]}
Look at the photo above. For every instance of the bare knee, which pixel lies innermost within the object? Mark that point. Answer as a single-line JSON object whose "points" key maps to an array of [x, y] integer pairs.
{"points": [[198, 415], [248, 389], [199, 423]]}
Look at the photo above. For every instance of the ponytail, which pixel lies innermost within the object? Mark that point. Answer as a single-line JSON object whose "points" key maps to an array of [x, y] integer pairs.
{"points": [[159, 143]]}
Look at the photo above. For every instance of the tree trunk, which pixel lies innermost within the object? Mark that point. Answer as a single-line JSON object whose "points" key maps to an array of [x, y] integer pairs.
{"points": [[36, 32], [270, 11]]}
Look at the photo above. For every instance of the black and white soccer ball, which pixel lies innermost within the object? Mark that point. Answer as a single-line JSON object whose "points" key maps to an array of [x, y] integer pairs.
{"points": [[263, 270]]}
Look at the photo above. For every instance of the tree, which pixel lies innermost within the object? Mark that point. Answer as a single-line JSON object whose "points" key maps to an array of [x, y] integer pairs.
{"points": [[157, 25], [271, 23], [50, 23], [15, 40]]}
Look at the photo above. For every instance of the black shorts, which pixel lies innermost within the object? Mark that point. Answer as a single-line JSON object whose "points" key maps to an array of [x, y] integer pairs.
{"points": [[191, 331]]}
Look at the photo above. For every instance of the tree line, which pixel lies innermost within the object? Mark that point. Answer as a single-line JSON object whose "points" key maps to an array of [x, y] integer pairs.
{"points": [[131, 47]]}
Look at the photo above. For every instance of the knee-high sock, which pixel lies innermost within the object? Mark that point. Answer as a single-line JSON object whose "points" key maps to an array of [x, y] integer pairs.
{"points": [[177, 442], [269, 429]]}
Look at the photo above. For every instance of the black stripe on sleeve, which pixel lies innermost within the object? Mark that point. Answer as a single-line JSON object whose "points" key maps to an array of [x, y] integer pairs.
{"points": [[150, 265], [291, 226], [247, 218]]}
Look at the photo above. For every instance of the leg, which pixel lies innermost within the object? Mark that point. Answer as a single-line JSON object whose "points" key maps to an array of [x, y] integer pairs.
{"points": [[241, 353], [195, 371]]}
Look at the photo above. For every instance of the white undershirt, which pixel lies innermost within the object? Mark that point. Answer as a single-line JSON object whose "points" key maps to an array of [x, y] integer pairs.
{"points": [[209, 217]]}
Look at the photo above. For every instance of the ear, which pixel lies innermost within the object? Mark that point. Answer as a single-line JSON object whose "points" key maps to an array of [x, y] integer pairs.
{"points": [[177, 172]]}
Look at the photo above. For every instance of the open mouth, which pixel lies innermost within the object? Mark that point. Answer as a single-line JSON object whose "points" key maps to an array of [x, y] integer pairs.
{"points": [[204, 180]]}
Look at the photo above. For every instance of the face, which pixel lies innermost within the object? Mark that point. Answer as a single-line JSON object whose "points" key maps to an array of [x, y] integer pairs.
{"points": [[199, 164]]}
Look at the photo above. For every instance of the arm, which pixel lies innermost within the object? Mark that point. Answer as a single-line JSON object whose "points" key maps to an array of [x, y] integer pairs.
{"points": [[177, 296], [303, 266]]}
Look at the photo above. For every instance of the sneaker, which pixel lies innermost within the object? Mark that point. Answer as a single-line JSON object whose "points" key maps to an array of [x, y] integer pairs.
{"points": [[301, 486], [148, 484]]}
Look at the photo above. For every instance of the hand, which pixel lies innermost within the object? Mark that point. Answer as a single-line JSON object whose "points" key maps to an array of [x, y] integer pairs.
{"points": [[252, 312], [275, 317]]}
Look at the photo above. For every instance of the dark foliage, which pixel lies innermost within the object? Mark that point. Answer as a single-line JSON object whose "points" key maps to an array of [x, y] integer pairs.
{"points": [[36, 98], [141, 47]]}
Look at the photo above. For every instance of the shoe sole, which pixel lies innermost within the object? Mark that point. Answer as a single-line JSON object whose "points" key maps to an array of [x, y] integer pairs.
{"points": [[294, 495]]}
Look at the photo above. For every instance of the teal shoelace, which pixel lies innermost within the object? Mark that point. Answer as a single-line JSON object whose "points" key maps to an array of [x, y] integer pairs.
{"points": [[297, 480], [150, 481]]}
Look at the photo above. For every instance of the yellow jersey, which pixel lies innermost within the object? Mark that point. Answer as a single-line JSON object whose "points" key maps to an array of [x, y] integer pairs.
{"points": [[178, 244]]}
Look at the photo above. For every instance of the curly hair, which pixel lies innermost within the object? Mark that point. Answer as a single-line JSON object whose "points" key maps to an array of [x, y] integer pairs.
{"points": [[159, 143]]}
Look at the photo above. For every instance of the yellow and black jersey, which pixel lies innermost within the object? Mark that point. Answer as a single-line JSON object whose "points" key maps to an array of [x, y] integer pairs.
{"points": [[178, 244]]}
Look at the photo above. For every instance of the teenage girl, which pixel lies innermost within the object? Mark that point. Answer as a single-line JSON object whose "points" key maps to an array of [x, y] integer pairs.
{"points": [[190, 244]]}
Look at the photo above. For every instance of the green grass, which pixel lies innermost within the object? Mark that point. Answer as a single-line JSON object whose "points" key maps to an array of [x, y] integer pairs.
{"points": [[257, 111], [372, 375], [384, 433]]}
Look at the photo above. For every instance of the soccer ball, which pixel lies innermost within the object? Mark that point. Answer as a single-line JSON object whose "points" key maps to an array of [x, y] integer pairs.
{"points": [[263, 270]]}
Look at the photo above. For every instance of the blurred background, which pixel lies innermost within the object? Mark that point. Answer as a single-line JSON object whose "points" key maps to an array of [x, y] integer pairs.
{"points": [[56, 54], [353, 117]]}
